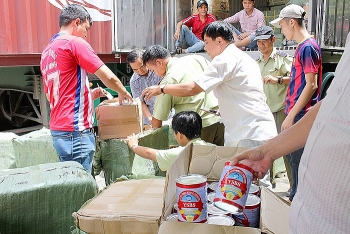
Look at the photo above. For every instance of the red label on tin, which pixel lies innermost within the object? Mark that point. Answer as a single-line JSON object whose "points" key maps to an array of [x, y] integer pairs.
{"points": [[233, 186], [190, 205]]}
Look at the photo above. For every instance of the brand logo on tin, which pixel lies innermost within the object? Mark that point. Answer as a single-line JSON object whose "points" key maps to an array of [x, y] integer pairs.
{"points": [[241, 220], [234, 184], [190, 205]]}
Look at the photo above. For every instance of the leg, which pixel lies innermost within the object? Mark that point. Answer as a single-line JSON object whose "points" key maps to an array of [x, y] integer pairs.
{"points": [[294, 160], [214, 134], [198, 46], [186, 34], [253, 44]]}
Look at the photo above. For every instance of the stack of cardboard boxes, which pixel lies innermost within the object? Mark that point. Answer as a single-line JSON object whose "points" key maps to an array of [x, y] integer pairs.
{"points": [[141, 206]]}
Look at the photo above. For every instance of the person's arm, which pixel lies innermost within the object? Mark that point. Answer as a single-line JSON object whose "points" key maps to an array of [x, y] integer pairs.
{"points": [[261, 158], [261, 20], [156, 123], [146, 112], [232, 19], [180, 90], [305, 96], [144, 152], [112, 82], [178, 30]]}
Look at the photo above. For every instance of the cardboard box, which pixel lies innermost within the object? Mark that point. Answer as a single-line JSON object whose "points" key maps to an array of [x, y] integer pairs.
{"points": [[125, 207], [171, 227], [119, 121], [209, 161]]}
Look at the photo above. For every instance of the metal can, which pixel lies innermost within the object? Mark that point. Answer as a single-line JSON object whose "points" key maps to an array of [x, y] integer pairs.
{"points": [[254, 189], [210, 197], [213, 186], [191, 195], [213, 210], [251, 213], [234, 184], [171, 217], [221, 220]]}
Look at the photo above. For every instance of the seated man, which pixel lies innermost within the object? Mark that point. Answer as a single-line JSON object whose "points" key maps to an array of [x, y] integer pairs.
{"points": [[193, 38], [250, 20], [187, 126], [141, 79]]}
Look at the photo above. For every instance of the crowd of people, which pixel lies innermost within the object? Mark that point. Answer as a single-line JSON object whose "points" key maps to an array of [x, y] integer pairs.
{"points": [[271, 105]]}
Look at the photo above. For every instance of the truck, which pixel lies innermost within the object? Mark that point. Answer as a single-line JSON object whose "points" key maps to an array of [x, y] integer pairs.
{"points": [[120, 26]]}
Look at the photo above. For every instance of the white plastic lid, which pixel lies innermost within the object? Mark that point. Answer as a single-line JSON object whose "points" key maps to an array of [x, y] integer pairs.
{"points": [[213, 210], [221, 220]]}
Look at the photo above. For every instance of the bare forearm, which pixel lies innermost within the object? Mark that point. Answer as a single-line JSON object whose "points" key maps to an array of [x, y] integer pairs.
{"points": [[145, 152], [304, 98], [146, 112], [110, 80], [183, 90], [293, 138]]}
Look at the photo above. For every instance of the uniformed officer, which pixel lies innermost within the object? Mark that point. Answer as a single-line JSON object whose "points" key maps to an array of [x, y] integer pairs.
{"points": [[275, 67]]}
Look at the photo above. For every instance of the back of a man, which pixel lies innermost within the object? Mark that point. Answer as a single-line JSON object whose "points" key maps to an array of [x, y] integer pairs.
{"points": [[183, 70]]}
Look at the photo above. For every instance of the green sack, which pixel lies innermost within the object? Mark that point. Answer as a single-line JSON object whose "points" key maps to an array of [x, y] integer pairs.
{"points": [[42, 198]]}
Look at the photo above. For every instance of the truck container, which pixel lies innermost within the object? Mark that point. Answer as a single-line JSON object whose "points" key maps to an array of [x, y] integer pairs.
{"points": [[120, 26]]}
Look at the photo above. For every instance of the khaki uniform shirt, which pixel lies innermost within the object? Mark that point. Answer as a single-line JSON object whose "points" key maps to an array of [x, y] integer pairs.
{"points": [[278, 64]]}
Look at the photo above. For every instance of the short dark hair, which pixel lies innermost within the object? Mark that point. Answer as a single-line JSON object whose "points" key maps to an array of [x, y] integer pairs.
{"points": [[188, 123], [219, 29], [155, 52], [133, 55], [72, 12]]}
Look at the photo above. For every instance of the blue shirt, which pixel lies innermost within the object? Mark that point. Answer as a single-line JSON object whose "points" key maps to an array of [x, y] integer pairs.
{"points": [[139, 83]]}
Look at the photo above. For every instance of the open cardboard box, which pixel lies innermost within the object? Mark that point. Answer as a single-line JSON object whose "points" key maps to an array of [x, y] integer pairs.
{"points": [[209, 161], [119, 121]]}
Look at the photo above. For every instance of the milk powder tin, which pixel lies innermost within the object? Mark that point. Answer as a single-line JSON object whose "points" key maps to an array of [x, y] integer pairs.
{"points": [[210, 197], [234, 184], [191, 195], [251, 213], [213, 210], [221, 220], [213, 186], [171, 217], [254, 189]]}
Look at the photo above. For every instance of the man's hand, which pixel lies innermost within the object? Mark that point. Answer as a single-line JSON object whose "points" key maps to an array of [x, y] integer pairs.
{"points": [[126, 97], [256, 159], [176, 36], [243, 35], [150, 92], [287, 123], [98, 92], [132, 141], [270, 79]]}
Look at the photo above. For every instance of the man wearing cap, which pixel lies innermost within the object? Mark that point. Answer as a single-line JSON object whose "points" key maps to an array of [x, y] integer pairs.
{"points": [[250, 19], [306, 76], [275, 67], [197, 23]]}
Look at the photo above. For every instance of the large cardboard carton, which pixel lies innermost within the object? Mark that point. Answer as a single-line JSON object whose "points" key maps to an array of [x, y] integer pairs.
{"points": [[119, 121], [125, 207], [171, 227], [209, 161], [274, 213]]}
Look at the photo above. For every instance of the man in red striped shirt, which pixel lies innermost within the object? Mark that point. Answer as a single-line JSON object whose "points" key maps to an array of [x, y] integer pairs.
{"points": [[197, 23]]}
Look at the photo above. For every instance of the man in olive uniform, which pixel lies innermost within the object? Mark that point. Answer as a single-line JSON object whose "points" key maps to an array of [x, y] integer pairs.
{"points": [[275, 67]]}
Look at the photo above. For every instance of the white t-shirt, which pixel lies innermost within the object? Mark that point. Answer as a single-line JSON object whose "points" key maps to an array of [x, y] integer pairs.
{"points": [[236, 81], [322, 204]]}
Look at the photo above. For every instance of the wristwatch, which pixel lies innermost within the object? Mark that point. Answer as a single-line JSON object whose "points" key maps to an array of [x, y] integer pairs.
{"points": [[162, 88], [280, 80]]}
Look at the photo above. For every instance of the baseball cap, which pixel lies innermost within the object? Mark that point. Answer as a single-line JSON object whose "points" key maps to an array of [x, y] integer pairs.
{"points": [[290, 11], [263, 32], [201, 2]]}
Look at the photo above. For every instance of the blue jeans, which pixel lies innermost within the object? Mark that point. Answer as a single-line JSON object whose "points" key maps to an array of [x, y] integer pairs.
{"points": [[253, 44], [294, 161], [195, 45], [76, 146]]}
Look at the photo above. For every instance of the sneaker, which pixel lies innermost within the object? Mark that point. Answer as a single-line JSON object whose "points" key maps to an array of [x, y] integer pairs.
{"points": [[178, 50], [288, 192]]}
